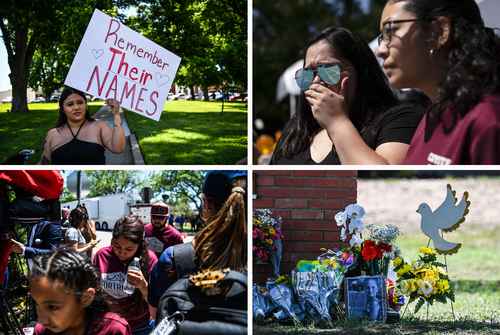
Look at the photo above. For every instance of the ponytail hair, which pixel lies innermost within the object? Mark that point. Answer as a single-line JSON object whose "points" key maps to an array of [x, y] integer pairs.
{"points": [[77, 274], [223, 241]]}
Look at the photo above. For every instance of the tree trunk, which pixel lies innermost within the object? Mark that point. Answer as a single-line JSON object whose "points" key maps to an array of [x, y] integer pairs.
{"points": [[205, 93], [19, 63], [192, 92], [19, 87]]}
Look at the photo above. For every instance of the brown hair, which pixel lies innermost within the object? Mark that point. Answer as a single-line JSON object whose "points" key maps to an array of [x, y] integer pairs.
{"points": [[132, 228], [223, 242], [77, 216]]}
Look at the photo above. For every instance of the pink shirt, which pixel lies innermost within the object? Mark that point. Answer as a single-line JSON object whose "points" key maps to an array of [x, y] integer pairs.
{"points": [[102, 324], [160, 239], [113, 274], [475, 139]]}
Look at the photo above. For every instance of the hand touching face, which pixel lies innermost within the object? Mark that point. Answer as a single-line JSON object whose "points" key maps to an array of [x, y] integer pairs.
{"points": [[328, 101], [326, 104]]}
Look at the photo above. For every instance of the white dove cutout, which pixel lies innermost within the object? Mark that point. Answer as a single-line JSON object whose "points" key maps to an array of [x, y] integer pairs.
{"points": [[447, 217]]}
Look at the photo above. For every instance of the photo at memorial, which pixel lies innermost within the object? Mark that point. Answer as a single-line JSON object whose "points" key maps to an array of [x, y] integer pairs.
{"points": [[365, 298]]}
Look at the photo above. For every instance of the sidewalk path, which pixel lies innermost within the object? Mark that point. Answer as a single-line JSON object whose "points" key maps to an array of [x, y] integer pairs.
{"points": [[124, 158]]}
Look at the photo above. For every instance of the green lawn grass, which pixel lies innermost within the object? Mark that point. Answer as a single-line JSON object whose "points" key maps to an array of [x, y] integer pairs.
{"points": [[477, 259], [193, 132], [475, 271], [189, 132]]}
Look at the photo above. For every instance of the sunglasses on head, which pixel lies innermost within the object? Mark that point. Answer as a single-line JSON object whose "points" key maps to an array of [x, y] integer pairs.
{"points": [[328, 73]]}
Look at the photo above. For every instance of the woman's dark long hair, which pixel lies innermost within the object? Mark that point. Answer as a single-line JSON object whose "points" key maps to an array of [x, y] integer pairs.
{"points": [[77, 216], [473, 61], [77, 274], [373, 96], [132, 228], [62, 119]]}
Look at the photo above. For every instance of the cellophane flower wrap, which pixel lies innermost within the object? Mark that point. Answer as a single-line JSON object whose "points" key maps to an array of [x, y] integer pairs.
{"points": [[425, 279], [266, 231]]}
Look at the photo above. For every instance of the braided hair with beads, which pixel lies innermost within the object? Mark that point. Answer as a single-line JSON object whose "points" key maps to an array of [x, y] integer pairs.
{"points": [[76, 273]]}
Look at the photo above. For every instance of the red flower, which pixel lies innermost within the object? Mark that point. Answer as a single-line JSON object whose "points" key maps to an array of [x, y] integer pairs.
{"points": [[385, 247], [370, 251]]}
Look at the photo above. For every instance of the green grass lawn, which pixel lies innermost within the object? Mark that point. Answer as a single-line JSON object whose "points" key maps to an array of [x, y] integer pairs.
{"points": [[193, 132], [189, 132], [475, 271]]}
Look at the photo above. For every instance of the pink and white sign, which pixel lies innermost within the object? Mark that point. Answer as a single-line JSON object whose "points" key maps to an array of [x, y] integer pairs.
{"points": [[113, 61]]}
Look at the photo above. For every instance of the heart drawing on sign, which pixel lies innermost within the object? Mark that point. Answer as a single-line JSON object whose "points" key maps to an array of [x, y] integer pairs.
{"points": [[97, 53], [162, 79]]}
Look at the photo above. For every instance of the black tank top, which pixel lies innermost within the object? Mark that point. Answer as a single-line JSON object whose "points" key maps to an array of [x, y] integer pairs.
{"points": [[78, 152]]}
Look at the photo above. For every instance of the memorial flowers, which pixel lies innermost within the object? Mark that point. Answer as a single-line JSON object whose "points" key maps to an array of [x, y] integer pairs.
{"points": [[266, 231], [425, 280], [373, 253]]}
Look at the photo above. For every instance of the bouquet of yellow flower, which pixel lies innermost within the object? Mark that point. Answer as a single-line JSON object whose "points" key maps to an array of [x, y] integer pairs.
{"points": [[425, 279], [266, 230]]}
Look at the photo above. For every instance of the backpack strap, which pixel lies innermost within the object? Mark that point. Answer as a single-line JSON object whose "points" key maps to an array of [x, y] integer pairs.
{"points": [[238, 277], [184, 256]]}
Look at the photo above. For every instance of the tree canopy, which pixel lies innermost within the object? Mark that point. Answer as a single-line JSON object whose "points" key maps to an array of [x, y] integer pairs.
{"points": [[209, 35], [34, 26], [104, 182], [181, 186]]}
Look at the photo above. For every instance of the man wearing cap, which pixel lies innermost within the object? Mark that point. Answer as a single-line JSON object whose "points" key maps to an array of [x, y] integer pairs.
{"points": [[159, 234]]}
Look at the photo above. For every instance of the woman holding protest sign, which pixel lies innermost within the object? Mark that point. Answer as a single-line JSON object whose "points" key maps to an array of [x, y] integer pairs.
{"points": [[79, 139]]}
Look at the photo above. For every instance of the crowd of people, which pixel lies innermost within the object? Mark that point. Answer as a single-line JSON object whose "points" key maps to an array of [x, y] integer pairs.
{"points": [[116, 289]]}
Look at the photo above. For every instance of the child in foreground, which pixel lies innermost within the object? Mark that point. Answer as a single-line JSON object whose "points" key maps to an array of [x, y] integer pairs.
{"points": [[65, 287]]}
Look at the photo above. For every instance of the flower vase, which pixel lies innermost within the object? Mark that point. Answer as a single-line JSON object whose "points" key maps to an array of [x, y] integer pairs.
{"points": [[276, 258], [372, 268], [384, 266]]}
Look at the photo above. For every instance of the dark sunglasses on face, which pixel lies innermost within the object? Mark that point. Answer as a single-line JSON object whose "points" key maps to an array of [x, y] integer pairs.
{"points": [[328, 73]]}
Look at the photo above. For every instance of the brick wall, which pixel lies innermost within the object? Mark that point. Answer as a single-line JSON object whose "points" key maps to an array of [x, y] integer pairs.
{"points": [[307, 201]]}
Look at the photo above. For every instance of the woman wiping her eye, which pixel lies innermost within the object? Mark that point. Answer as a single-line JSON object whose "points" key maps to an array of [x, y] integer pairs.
{"points": [[349, 114]]}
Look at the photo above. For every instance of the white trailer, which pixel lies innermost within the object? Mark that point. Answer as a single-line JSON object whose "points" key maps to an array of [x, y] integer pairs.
{"points": [[105, 210]]}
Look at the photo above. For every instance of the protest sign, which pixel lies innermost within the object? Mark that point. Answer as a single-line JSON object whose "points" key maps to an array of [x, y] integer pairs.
{"points": [[113, 61]]}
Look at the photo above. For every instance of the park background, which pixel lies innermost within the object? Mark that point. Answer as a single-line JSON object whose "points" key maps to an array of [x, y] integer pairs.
{"points": [[41, 37]]}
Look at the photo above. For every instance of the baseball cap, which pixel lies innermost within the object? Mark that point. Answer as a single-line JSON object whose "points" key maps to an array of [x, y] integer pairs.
{"points": [[159, 209]]}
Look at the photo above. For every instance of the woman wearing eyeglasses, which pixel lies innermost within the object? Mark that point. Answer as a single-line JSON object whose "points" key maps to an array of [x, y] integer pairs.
{"points": [[349, 115], [443, 48]]}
